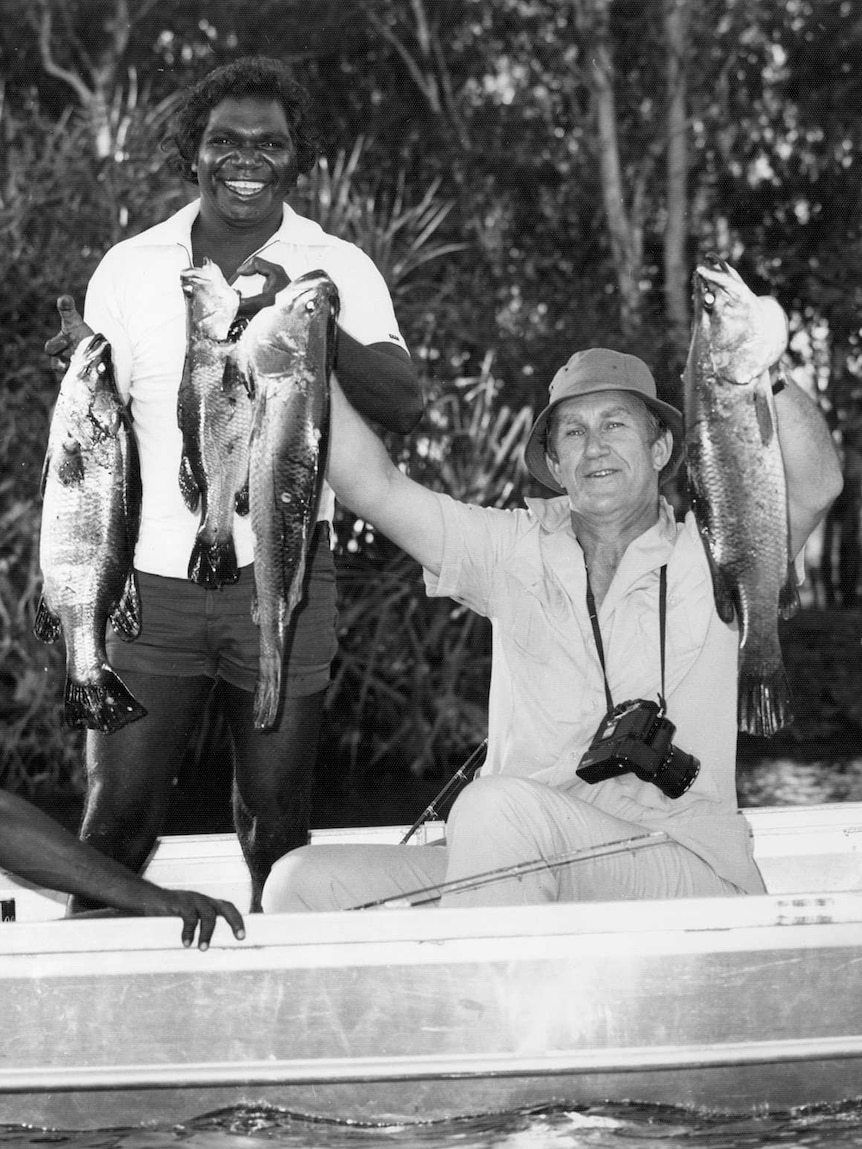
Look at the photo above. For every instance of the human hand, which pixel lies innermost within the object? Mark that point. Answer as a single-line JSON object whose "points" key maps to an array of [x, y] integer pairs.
{"points": [[72, 330], [198, 911]]}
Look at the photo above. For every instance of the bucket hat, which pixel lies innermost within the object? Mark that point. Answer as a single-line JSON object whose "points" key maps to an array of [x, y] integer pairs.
{"points": [[599, 369]]}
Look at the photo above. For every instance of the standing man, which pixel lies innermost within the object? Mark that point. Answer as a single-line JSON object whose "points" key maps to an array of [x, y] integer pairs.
{"points": [[241, 136], [580, 589]]}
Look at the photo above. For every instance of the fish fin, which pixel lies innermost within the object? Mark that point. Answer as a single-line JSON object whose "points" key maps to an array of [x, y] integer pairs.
{"points": [[189, 488], [107, 705], [126, 619], [723, 590], [765, 421], [46, 625], [764, 697], [241, 502], [213, 566], [70, 471], [267, 692], [788, 597]]}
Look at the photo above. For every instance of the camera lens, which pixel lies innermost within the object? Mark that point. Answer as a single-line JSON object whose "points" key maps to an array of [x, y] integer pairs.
{"points": [[676, 773]]}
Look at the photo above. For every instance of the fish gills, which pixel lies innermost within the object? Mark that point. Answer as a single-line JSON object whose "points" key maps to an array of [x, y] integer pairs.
{"points": [[91, 491], [214, 416], [286, 354], [736, 477]]}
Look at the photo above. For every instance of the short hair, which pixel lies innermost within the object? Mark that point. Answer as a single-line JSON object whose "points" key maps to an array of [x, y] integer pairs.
{"points": [[247, 76], [654, 424]]}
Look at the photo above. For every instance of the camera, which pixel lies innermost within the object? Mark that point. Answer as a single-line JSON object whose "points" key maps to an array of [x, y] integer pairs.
{"points": [[636, 737]]}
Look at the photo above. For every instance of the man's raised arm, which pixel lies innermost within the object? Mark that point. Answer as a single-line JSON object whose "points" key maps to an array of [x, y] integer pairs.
{"points": [[811, 463], [366, 480]]}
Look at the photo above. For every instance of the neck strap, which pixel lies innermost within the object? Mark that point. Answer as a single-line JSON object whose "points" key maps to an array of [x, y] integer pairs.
{"points": [[662, 616]]}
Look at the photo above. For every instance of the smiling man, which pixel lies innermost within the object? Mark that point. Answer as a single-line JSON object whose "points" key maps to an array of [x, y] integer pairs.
{"points": [[597, 597], [241, 136]]}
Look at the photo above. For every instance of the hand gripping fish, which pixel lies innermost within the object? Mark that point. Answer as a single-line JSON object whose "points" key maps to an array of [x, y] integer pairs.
{"points": [[286, 354], [91, 489], [736, 475], [214, 416]]}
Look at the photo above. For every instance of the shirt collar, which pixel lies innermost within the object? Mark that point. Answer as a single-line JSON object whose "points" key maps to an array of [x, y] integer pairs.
{"points": [[647, 552], [177, 229]]}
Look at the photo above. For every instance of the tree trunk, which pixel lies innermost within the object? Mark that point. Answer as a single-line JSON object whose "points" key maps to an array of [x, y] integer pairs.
{"points": [[676, 16]]}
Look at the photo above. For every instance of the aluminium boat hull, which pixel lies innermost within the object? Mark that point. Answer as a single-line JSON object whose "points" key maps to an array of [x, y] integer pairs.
{"points": [[729, 1004]]}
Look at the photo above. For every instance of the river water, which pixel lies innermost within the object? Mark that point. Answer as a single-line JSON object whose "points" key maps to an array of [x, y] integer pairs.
{"points": [[619, 1126], [604, 1127]]}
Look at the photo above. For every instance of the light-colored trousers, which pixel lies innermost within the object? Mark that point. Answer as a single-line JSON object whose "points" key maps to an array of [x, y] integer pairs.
{"points": [[496, 822]]}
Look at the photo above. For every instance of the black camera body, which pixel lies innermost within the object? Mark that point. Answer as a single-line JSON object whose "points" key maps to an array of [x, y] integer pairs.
{"points": [[636, 737]]}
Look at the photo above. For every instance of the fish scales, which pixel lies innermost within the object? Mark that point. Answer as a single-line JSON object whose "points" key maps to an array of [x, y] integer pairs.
{"points": [[91, 489], [214, 416], [737, 480], [286, 353]]}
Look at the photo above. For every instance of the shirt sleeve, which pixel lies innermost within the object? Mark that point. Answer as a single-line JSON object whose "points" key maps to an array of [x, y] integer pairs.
{"points": [[103, 312], [365, 305], [475, 543]]}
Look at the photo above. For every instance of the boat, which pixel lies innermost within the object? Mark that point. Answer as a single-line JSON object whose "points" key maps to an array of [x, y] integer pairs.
{"points": [[730, 1005]]}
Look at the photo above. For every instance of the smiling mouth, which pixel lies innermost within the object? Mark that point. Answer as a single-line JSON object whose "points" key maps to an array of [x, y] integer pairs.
{"points": [[603, 474], [245, 189]]}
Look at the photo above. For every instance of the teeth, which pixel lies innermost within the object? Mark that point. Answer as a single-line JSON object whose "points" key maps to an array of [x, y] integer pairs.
{"points": [[245, 187]]}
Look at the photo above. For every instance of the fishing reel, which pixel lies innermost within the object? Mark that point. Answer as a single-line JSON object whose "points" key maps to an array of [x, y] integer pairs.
{"points": [[636, 737]]}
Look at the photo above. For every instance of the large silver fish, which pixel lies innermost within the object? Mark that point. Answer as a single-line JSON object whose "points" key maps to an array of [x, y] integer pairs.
{"points": [[91, 488], [286, 354], [214, 416], [736, 474]]}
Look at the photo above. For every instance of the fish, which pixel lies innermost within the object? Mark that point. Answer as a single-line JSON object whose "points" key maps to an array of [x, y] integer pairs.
{"points": [[91, 507], [736, 480], [286, 354], [214, 417]]}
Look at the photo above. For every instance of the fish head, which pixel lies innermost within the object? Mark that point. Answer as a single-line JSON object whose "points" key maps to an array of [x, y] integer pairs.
{"points": [[211, 302], [89, 401], [301, 322], [741, 333]]}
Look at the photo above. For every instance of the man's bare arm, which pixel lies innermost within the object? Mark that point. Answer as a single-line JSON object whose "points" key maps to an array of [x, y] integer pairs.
{"points": [[366, 480], [811, 463]]}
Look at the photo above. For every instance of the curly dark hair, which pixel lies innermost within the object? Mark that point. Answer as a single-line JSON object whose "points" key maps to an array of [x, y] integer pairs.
{"points": [[247, 76]]}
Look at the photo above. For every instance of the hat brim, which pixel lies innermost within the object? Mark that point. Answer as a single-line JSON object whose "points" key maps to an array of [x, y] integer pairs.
{"points": [[534, 452]]}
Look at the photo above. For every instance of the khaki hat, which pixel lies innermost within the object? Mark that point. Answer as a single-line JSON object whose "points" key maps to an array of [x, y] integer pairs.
{"points": [[598, 369]]}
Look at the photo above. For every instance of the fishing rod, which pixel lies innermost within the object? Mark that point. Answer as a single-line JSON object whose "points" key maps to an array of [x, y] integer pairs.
{"points": [[458, 780], [426, 894]]}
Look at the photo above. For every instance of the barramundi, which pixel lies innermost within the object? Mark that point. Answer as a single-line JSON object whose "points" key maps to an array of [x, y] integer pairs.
{"points": [[91, 490], [286, 355], [214, 416], [737, 482]]}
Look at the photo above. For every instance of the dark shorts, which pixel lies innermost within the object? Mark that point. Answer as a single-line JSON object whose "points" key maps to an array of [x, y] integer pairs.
{"points": [[188, 631]]}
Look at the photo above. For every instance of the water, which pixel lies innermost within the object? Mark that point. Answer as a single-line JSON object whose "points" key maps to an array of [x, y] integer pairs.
{"points": [[617, 1126], [596, 1127]]}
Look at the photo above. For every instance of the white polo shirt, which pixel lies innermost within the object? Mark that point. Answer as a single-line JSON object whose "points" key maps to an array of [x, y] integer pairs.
{"points": [[135, 300], [524, 570]]}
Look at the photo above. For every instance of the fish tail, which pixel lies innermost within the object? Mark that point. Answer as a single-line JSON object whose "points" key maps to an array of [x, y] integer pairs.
{"points": [[267, 692], [106, 705], [764, 705], [213, 565]]}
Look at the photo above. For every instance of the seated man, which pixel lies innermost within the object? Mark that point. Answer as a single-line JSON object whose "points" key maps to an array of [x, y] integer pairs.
{"points": [[37, 849], [610, 548]]}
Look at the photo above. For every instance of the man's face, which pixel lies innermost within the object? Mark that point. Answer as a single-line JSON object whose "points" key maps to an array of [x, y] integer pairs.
{"points": [[246, 162], [601, 450]]}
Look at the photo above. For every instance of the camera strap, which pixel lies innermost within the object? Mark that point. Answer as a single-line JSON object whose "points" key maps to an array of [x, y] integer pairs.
{"points": [[662, 616]]}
